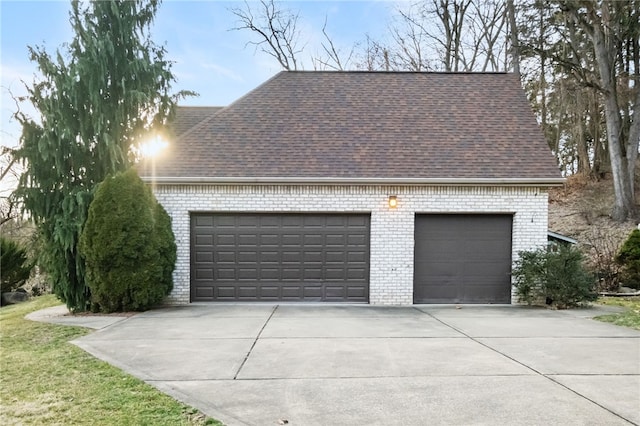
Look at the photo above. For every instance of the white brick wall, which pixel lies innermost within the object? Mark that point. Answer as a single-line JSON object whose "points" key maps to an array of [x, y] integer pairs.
{"points": [[391, 273]]}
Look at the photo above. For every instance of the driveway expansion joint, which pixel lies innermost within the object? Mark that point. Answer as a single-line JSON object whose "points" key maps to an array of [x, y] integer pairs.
{"points": [[273, 311]]}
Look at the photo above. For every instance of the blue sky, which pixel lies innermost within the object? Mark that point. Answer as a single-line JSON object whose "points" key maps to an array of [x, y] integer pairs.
{"points": [[209, 58]]}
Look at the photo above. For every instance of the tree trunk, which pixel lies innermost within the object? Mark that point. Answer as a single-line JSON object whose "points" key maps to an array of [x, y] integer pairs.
{"points": [[584, 166], [634, 139], [624, 205], [513, 32]]}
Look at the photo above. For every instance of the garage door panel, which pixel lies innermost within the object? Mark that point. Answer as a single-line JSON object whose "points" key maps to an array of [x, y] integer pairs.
{"points": [[312, 257], [225, 274], [291, 274], [204, 240], [314, 221], [246, 292], [223, 240], [268, 222], [335, 221], [462, 258], [289, 257], [206, 221], [270, 273], [205, 256], [269, 256], [334, 256], [335, 292], [290, 291], [358, 221], [313, 274], [312, 292], [205, 291], [335, 240], [246, 221], [227, 221], [335, 274], [356, 292], [247, 257], [248, 274], [356, 257], [357, 240], [291, 240], [269, 292], [204, 274], [269, 240], [355, 274], [292, 221], [313, 240]]}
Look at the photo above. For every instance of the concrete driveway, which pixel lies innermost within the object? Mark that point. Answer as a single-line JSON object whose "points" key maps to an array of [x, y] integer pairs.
{"points": [[365, 365]]}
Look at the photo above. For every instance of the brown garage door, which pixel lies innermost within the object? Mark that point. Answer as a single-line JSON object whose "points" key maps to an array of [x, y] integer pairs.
{"points": [[280, 257], [462, 259]]}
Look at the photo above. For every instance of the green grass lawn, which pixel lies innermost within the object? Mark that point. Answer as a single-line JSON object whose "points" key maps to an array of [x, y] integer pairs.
{"points": [[629, 318], [44, 379]]}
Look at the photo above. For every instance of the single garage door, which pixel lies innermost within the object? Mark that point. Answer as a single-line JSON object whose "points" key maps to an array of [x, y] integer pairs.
{"points": [[462, 258], [280, 257]]}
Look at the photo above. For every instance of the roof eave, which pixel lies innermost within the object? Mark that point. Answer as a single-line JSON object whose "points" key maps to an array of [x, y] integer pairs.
{"points": [[186, 180]]}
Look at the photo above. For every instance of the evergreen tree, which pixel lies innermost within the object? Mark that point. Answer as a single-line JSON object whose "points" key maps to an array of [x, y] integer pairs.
{"points": [[629, 258], [15, 266], [97, 97], [128, 246]]}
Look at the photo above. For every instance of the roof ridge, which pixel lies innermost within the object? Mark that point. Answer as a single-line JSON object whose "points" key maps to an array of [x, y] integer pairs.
{"points": [[395, 72], [200, 106]]}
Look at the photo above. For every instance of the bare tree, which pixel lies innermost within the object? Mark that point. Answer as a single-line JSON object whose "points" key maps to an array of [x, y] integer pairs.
{"points": [[513, 34], [411, 37], [334, 59], [490, 40], [371, 55], [276, 30], [9, 176], [449, 35], [614, 28]]}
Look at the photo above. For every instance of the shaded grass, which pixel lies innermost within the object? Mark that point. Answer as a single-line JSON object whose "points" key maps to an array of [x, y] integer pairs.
{"points": [[44, 379], [629, 318]]}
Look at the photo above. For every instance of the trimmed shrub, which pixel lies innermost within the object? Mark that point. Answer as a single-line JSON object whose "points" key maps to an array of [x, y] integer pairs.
{"points": [[556, 277], [629, 258], [128, 246], [15, 267]]}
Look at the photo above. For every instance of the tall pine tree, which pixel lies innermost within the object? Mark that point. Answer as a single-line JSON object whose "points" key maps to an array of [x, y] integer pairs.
{"points": [[98, 97]]}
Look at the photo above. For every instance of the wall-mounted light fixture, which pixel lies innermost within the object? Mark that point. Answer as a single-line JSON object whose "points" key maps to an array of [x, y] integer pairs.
{"points": [[393, 201]]}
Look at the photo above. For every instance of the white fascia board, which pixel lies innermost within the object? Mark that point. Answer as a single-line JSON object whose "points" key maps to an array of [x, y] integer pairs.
{"points": [[164, 180]]}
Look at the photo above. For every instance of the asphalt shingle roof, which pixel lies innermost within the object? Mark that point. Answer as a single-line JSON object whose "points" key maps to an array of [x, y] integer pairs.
{"points": [[365, 125]]}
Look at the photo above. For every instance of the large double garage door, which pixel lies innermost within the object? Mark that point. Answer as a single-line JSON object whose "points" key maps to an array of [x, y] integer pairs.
{"points": [[280, 257], [458, 258]]}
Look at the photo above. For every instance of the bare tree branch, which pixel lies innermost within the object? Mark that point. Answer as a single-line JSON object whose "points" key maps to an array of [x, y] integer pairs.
{"points": [[333, 60], [277, 31]]}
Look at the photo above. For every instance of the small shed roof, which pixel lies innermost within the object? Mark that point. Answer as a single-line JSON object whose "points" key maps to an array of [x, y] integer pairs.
{"points": [[384, 127], [559, 238]]}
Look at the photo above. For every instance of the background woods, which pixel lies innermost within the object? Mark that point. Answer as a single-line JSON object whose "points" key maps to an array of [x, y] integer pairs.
{"points": [[578, 60]]}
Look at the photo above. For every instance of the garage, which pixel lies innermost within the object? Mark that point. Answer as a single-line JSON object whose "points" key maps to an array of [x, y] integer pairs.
{"points": [[280, 257], [462, 258]]}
